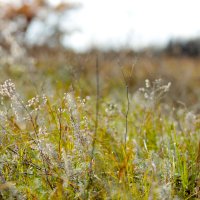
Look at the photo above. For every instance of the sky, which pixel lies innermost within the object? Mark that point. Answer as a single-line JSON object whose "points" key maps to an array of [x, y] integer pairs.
{"points": [[129, 23], [132, 23]]}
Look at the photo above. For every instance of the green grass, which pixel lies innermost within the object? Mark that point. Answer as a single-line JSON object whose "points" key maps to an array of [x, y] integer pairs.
{"points": [[46, 143]]}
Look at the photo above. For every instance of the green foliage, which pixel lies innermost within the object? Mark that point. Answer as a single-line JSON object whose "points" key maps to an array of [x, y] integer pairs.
{"points": [[46, 144]]}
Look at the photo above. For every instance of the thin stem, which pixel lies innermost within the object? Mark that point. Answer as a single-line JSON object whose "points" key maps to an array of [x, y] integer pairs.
{"points": [[60, 132], [97, 108], [96, 126], [126, 82], [127, 113]]}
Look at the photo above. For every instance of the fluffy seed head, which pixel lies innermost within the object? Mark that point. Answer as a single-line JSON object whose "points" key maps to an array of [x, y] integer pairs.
{"points": [[7, 89]]}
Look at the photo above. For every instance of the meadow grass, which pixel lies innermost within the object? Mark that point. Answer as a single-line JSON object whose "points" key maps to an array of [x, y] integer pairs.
{"points": [[52, 147]]}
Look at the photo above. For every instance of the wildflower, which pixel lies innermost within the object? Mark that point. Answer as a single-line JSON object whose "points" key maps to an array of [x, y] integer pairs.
{"points": [[111, 109], [70, 100], [141, 89], [33, 101], [7, 89], [166, 87], [44, 99], [147, 83], [67, 159], [146, 96], [154, 92], [43, 131]]}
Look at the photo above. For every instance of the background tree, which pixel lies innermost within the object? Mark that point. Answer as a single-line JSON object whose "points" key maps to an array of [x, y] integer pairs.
{"points": [[17, 21]]}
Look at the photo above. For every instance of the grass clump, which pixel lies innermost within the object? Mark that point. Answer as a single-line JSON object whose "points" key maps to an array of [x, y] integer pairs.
{"points": [[46, 143]]}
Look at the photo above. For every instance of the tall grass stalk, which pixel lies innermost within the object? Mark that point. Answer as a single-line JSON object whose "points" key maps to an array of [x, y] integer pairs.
{"points": [[127, 79], [90, 172], [60, 131]]}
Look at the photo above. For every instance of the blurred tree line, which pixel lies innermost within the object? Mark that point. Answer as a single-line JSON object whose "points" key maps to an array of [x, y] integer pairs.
{"points": [[179, 47]]}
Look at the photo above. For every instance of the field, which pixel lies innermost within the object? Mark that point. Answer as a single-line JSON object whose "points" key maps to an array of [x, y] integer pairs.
{"points": [[113, 125]]}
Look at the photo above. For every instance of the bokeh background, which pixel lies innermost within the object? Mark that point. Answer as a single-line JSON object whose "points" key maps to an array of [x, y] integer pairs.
{"points": [[61, 39]]}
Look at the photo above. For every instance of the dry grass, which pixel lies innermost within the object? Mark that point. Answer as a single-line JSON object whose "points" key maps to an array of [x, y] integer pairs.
{"points": [[47, 124]]}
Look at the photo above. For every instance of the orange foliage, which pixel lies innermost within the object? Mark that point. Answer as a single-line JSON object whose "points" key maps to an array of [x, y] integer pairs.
{"points": [[30, 9], [27, 10]]}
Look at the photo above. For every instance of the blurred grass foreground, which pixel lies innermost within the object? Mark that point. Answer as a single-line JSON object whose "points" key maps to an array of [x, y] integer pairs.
{"points": [[95, 125]]}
